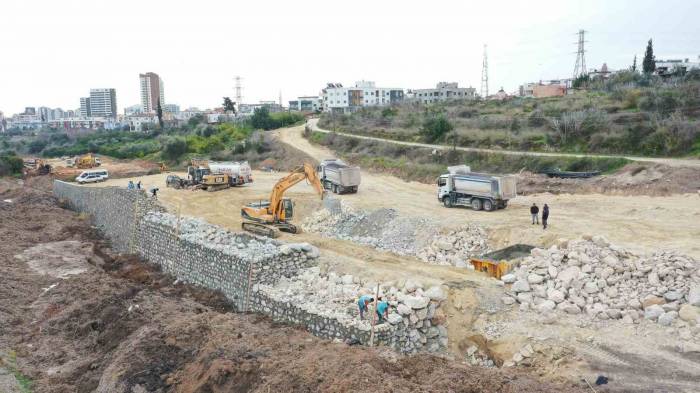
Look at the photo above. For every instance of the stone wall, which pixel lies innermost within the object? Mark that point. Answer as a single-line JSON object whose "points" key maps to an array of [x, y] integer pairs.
{"points": [[257, 274]]}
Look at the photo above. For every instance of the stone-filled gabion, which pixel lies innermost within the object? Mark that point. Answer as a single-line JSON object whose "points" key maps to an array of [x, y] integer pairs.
{"points": [[259, 274]]}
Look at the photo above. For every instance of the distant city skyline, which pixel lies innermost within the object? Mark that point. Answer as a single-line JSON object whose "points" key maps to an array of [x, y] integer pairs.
{"points": [[299, 47]]}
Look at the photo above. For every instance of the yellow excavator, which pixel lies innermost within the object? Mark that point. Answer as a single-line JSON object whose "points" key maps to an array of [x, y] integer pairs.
{"points": [[270, 217]]}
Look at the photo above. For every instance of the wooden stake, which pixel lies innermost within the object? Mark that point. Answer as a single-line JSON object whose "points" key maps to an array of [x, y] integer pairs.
{"points": [[374, 317], [177, 226]]}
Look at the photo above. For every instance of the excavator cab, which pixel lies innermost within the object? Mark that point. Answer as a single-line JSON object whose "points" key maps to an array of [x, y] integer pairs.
{"points": [[287, 209]]}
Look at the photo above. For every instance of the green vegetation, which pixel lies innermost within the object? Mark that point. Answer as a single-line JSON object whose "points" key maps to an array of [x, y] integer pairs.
{"points": [[195, 138], [10, 164], [628, 113], [262, 119], [25, 384], [423, 164]]}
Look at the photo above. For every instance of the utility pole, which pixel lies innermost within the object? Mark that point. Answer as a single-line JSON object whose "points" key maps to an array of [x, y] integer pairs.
{"points": [[239, 91], [580, 67], [485, 76]]}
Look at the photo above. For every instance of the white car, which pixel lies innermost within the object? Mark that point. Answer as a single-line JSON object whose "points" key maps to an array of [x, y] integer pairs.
{"points": [[92, 176]]}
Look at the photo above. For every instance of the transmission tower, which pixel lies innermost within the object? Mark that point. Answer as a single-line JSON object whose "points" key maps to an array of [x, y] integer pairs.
{"points": [[239, 91], [580, 67], [485, 76]]}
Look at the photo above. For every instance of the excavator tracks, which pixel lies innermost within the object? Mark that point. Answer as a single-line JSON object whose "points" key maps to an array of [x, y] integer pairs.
{"points": [[261, 229]]}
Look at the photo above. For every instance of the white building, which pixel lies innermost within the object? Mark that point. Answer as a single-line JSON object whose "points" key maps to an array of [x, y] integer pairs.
{"points": [[443, 91], [339, 99], [668, 66], [103, 103], [151, 92], [133, 110], [171, 108], [306, 104], [84, 106]]}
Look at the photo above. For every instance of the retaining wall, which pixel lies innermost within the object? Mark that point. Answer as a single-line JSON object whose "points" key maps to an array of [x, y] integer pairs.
{"points": [[233, 263]]}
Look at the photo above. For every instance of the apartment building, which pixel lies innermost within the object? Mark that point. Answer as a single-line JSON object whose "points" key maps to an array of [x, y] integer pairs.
{"points": [[103, 103], [339, 99], [151, 92], [306, 104], [443, 91]]}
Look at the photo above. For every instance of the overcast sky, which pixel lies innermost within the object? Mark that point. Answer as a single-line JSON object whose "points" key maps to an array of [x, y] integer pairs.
{"points": [[54, 51]]}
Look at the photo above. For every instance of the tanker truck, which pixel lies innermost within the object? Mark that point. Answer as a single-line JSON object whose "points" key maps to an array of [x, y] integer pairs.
{"points": [[462, 187], [337, 176], [213, 176]]}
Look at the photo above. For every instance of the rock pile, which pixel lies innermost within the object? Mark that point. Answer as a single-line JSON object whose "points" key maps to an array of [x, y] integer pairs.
{"points": [[384, 229], [414, 317], [198, 231], [602, 281]]}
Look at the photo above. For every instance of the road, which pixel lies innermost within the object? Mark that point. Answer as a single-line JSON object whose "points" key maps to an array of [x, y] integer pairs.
{"points": [[675, 162]]}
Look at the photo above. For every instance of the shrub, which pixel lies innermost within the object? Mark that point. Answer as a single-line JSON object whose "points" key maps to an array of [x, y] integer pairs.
{"points": [[175, 149], [435, 128], [10, 164]]}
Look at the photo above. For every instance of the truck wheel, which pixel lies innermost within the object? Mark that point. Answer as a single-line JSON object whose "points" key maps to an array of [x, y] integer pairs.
{"points": [[488, 205], [476, 204], [447, 202]]}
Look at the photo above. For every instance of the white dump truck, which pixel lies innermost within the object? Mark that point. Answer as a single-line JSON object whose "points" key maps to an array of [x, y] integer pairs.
{"points": [[339, 177], [239, 172], [462, 187]]}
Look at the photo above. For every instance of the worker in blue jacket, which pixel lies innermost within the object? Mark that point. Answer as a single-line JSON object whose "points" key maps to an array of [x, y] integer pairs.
{"points": [[362, 304]]}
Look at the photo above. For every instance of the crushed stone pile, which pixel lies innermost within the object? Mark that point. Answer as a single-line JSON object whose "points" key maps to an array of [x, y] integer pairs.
{"points": [[602, 281], [413, 312], [385, 230]]}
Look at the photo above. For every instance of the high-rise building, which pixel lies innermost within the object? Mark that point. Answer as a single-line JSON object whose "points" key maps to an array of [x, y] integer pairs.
{"points": [[103, 103], [151, 92], [84, 106]]}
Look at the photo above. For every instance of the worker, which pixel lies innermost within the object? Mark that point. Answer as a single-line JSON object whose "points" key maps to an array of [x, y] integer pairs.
{"points": [[534, 210], [362, 304], [154, 192], [545, 216], [130, 186], [382, 310], [138, 185]]}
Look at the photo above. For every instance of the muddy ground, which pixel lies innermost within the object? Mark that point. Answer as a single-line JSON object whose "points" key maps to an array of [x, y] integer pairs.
{"points": [[118, 325]]}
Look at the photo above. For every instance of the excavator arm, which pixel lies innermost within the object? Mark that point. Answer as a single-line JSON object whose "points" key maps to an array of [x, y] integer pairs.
{"points": [[299, 173]]}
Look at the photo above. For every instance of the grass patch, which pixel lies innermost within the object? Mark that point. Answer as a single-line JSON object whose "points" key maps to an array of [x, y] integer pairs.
{"points": [[10, 363]]}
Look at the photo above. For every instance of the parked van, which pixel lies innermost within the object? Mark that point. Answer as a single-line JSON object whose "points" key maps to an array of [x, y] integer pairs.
{"points": [[92, 176]]}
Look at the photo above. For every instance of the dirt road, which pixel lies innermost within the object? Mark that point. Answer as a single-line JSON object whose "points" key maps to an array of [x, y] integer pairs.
{"points": [[676, 162]]}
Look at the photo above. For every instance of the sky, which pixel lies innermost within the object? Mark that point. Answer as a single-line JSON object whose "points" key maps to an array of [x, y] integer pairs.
{"points": [[53, 51]]}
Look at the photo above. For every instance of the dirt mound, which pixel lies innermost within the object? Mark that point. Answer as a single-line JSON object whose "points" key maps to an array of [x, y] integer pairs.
{"points": [[633, 179]]}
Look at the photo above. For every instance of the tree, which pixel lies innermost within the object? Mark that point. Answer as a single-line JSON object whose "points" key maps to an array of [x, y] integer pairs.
{"points": [[175, 149], [634, 64], [229, 106], [160, 115], [261, 119], [649, 63], [435, 128]]}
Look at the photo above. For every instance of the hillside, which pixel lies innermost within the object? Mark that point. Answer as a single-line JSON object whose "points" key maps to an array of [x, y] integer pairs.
{"points": [[627, 114]]}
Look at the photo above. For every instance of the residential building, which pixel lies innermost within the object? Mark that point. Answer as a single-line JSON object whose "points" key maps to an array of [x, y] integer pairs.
{"points": [[84, 106], [151, 92], [171, 108], [44, 113], [103, 103], [57, 113], [249, 109], [30, 110], [339, 99], [443, 91], [306, 104], [553, 90], [133, 110], [665, 67]]}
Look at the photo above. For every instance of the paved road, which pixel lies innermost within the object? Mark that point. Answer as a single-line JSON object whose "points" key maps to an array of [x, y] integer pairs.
{"points": [[676, 162]]}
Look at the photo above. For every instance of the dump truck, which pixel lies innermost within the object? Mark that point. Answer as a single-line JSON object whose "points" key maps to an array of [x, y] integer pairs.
{"points": [[462, 187], [337, 176], [240, 172]]}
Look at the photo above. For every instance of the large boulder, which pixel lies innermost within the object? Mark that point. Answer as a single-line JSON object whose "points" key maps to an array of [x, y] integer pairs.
{"points": [[694, 295], [416, 302], [653, 312], [436, 293], [508, 278], [690, 314], [521, 286]]}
